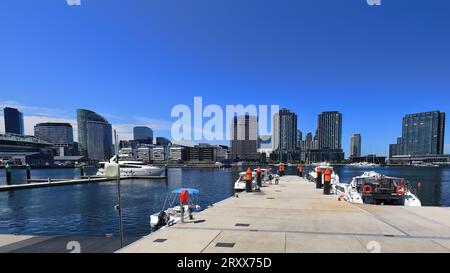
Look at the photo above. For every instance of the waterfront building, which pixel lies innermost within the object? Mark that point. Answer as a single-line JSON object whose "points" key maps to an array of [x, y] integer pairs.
{"points": [[13, 121], [21, 150], [381, 160], [355, 145], [94, 135], [285, 135], [144, 154], [244, 138], [326, 145], [422, 134], [179, 153], [440, 159], [329, 130], [299, 139], [127, 154], [221, 152], [163, 141], [265, 145], [59, 134], [143, 134], [159, 153]]}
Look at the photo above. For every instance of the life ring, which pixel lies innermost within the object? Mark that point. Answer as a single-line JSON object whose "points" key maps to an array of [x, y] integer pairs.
{"points": [[401, 190], [367, 189]]}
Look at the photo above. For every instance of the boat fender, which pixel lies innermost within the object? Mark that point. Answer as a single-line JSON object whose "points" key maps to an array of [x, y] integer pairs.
{"points": [[401, 190], [367, 189]]}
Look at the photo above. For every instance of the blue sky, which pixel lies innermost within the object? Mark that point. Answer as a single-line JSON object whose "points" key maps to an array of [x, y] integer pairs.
{"points": [[133, 60]]}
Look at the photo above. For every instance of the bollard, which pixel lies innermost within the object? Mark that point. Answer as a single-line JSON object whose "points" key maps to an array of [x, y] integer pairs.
{"points": [[8, 174], [82, 171], [319, 178], [28, 172], [327, 182], [248, 181], [258, 178]]}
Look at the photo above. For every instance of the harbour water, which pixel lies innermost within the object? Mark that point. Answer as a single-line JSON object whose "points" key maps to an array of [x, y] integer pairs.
{"points": [[88, 209]]}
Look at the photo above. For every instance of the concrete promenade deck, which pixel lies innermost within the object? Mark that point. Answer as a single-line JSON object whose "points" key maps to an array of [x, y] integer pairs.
{"points": [[41, 183], [294, 217]]}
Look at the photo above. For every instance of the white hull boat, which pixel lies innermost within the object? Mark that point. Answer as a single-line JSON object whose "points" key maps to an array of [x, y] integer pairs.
{"points": [[131, 169], [375, 188], [175, 213]]}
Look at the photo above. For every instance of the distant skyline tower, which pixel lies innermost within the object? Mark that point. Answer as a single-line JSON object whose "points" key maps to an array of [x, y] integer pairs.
{"points": [[355, 145], [422, 134], [285, 133], [94, 135], [244, 138], [13, 121], [329, 130], [143, 133]]}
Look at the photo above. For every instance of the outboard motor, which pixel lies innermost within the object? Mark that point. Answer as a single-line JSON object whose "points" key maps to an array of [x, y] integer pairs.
{"points": [[163, 219]]}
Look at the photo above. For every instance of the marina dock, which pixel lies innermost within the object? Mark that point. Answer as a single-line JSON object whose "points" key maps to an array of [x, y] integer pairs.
{"points": [[40, 183], [295, 217], [60, 244]]}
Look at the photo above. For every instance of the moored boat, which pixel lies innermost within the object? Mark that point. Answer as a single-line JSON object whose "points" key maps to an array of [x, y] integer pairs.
{"points": [[130, 169], [173, 211], [375, 188]]}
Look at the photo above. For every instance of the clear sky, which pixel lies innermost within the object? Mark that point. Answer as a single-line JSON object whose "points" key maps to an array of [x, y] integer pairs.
{"points": [[133, 60]]}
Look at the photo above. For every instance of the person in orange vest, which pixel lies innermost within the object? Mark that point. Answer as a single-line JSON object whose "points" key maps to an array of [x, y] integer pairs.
{"points": [[300, 170], [249, 180]]}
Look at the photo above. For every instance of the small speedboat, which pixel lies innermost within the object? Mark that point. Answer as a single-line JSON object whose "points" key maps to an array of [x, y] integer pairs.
{"points": [[173, 212], [240, 184], [375, 188], [314, 174], [130, 169]]}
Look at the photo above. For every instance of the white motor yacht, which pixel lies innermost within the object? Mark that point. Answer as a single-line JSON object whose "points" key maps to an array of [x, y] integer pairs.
{"points": [[132, 168]]}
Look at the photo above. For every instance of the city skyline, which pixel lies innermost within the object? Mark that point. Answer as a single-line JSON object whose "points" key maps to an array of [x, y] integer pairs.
{"points": [[374, 65], [126, 131]]}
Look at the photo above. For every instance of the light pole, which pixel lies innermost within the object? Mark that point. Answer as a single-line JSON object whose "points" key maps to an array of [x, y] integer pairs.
{"points": [[119, 199]]}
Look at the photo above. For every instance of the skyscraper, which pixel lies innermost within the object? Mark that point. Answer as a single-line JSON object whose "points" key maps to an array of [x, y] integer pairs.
{"points": [[59, 134], [13, 121], [422, 134], [244, 138], [330, 130], [94, 135], [143, 134], [285, 133], [355, 145]]}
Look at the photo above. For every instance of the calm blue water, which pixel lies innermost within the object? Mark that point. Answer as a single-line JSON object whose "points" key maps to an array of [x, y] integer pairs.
{"points": [[89, 209]]}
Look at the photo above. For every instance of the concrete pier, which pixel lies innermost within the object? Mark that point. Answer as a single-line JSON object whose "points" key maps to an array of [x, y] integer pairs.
{"points": [[60, 244], [295, 217], [40, 183]]}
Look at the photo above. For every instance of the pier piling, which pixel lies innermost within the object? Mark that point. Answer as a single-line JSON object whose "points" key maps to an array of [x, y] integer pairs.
{"points": [[8, 171], [319, 178], [327, 190], [258, 178], [28, 172]]}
